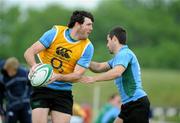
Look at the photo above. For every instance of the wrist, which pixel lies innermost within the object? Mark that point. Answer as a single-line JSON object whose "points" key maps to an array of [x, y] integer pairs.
{"points": [[59, 77]]}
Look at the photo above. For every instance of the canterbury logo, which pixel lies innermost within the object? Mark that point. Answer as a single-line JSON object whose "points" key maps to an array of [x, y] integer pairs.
{"points": [[63, 52]]}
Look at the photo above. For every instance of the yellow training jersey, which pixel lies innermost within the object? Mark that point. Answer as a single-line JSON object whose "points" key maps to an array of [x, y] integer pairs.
{"points": [[63, 54]]}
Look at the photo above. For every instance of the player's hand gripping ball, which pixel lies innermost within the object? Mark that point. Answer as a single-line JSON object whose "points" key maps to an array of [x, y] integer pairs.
{"points": [[41, 75]]}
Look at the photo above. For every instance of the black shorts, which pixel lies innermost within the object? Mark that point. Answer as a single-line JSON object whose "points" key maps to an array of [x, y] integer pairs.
{"points": [[57, 100], [136, 111]]}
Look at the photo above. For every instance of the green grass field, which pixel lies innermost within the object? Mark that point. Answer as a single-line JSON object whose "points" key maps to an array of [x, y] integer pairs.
{"points": [[162, 86]]}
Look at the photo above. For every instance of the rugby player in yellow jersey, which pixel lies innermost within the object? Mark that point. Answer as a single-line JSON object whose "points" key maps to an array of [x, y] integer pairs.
{"points": [[69, 51]]}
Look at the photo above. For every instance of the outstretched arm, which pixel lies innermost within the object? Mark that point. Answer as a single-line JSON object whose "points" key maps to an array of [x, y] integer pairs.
{"points": [[99, 67], [109, 75]]}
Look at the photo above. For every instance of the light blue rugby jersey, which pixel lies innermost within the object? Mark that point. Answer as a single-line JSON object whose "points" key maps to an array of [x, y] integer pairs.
{"points": [[129, 84], [84, 61]]}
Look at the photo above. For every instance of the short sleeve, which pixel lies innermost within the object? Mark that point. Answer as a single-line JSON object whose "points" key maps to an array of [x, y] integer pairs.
{"points": [[48, 37], [122, 58], [85, 59], [110, 62]]}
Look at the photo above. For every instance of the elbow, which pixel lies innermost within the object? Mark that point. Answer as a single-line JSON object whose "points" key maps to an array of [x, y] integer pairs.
{"points": [[28, 52], [25, 54]]}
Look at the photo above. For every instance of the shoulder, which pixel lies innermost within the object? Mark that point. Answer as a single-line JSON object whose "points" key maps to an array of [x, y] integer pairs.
{"points": [[51, 32], [90, 46], [125, 52], [48, 37], [89, 50]]}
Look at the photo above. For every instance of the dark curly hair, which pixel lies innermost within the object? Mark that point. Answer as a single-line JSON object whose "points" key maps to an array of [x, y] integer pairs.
{"points": [[78, 16]]}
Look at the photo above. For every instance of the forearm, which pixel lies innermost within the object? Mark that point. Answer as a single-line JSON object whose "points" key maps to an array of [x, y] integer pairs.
{"points": [[98, 67], [105, 76], [29, 56], [94, 66], [111, 74], [72, 77]]}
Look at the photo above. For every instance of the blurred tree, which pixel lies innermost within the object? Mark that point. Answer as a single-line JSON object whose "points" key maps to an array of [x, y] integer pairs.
{"points": [[153, 28], [9, 19], [150, 26]]}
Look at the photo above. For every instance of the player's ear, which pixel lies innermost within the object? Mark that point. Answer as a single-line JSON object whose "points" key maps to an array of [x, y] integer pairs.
{"points": [[114, 38], [77, 24]]}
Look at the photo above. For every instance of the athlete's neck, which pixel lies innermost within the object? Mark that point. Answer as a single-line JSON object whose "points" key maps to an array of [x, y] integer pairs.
{"points": [[73, 34], [69, 35], [118, 48]]}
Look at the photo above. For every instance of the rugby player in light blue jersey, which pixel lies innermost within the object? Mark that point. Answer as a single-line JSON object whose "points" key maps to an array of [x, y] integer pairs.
{"points": [[125, 69]]}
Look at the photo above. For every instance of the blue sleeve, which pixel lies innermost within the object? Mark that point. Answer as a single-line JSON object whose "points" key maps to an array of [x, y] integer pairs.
{"points": [[110, 62], [111, 114], [122, 58], [48, 37], [85, 59]]}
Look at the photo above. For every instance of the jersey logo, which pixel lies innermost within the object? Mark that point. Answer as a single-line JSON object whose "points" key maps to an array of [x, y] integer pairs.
{"points": [[64, 52]]}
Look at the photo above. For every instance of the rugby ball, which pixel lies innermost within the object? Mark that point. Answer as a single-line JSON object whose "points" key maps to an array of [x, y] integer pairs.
{"points": [[41, 75]]}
